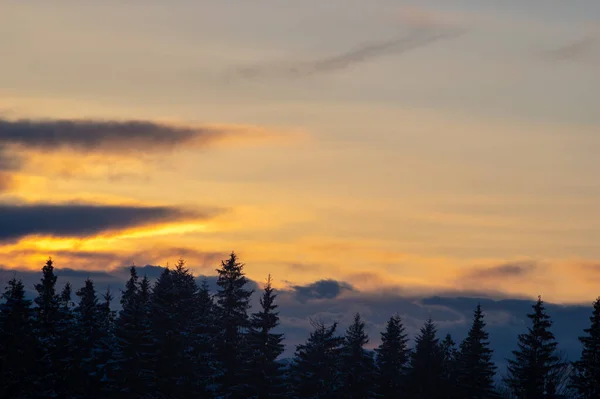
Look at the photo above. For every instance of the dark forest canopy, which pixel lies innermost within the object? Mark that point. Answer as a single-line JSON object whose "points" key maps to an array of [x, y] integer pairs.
{"points": [[174, 337]]}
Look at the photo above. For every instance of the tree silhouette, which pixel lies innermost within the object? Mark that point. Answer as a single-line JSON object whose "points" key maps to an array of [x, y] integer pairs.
{"points": [[531, 372]]}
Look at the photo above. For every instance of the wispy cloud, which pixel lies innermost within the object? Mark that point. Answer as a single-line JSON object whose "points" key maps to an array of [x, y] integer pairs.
{"points": [[507, 270], [422, 27]]}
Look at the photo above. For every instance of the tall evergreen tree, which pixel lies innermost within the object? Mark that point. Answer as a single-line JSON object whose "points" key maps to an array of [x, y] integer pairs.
{"points": [[586, 378], [17, 343], [130, 330], [392, 359], [173, 317], [357, 364], [264, 372], [233, 302], [426, 364], [476, 371], [47, 315], [531, 372], [314, 370]]}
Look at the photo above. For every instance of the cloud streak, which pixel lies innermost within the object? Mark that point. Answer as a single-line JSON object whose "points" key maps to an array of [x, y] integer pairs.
{"points": [[424, 28], [83, 220], [508, 270], [103, 135]]}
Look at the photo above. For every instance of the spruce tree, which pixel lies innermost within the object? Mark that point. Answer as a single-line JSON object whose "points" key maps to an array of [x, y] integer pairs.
{"points": [[47, 314], [476, 371], [204, 333], [449, 368], [87, 335], [314, 370], [17, 343], [173, 317], [531, 372], [104, 349], [357, 364], [130, 329], [586, 377], [65, 365], [392, 359], [233, 302], [425, 375], [265, 377]]}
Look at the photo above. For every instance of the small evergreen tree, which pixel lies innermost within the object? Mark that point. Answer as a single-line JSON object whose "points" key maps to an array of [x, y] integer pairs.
{"points": [[586, 377], [392, 359], [357, 364], [530, 373], [476, 371], [17, 343], [425, 375], [265, 346], [205, 331], [104, 349], [314, 369], [87, 334], [65, 365], [449, 368], [233, 302]]}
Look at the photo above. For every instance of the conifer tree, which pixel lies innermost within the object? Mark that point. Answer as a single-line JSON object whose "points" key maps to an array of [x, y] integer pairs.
{"points": [[104, 349], [392, 359], [173, 317], [586, 377], [264, 372], [314, 369], [233, 302], [65, 365], [130, 329], [531, 372], [449, 368], [47, 314], [87, 334], [17, 343], [357, 364], [204, 333], [476, 370], [425, 375]]}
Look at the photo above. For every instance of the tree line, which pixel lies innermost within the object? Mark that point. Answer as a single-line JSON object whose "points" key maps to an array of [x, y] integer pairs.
{"points": [[176, 339]]}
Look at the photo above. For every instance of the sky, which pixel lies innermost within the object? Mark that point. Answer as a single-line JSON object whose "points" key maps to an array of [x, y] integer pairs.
{"points": [[412, 148]]}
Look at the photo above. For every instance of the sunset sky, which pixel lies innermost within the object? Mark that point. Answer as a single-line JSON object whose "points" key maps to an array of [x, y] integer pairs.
{"points": [[418, 147]]}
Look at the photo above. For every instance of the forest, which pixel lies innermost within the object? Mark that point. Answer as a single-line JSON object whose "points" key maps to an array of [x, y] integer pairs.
{"points": [[174, 338]]}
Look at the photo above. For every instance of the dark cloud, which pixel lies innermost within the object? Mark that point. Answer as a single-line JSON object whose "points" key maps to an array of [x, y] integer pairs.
{"points": [[415, 38], [80, 220], [516, 269], [322, 289], [101, 135]]}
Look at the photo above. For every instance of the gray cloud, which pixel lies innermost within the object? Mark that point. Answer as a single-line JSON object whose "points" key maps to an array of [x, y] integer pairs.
{"points": [[416, 37], [322, 289], [578, 50], [516, 269], [80, 220], [101, 135]]}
